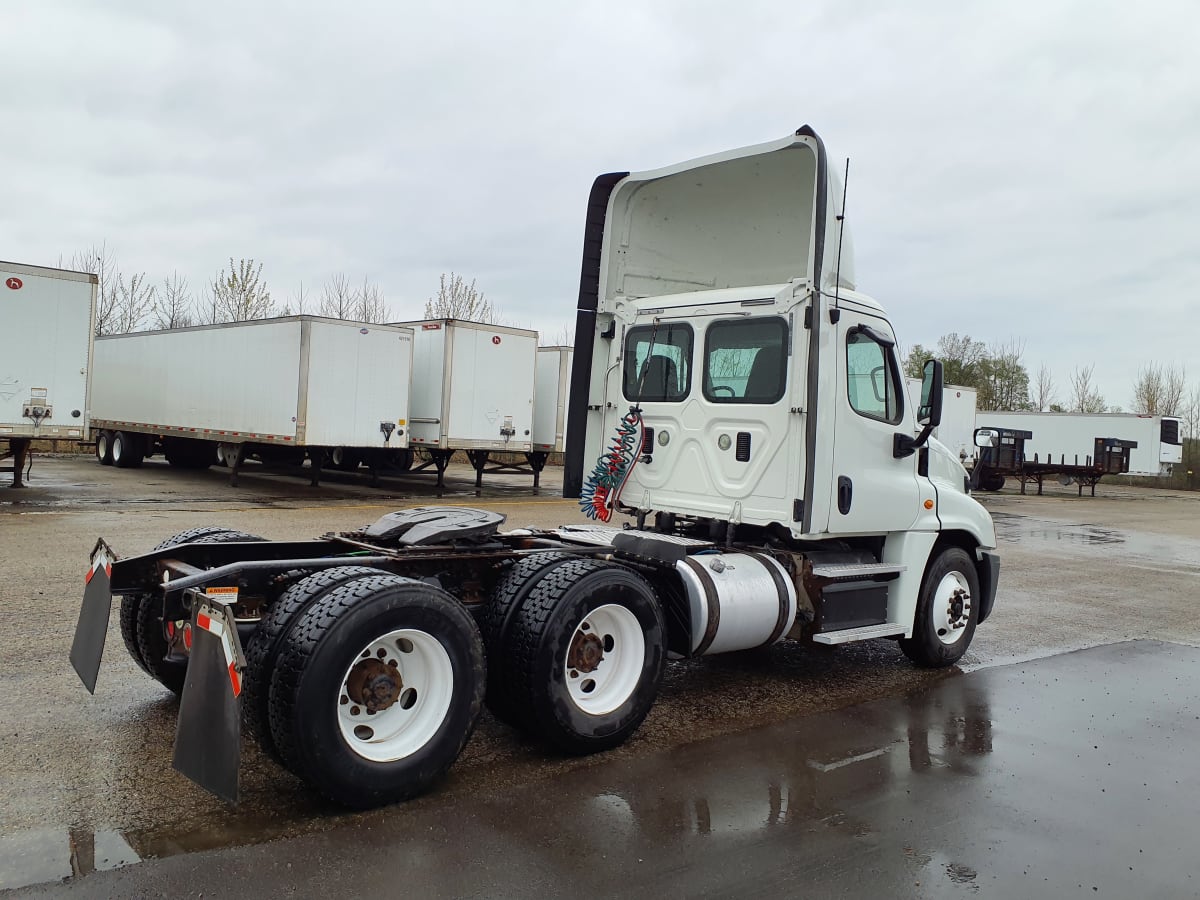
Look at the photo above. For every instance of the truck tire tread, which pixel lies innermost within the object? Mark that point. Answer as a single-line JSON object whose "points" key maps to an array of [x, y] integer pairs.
{"points": [[150, 639], [263, 647], [496, 625], [527, 644]]}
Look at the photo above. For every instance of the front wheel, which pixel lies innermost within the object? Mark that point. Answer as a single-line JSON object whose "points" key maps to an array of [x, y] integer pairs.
{"points": [[589, 649], [947, 611], [376, 689]]}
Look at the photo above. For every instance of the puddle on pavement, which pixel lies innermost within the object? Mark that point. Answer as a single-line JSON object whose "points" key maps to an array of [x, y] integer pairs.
{"points": [[1152, 548]]}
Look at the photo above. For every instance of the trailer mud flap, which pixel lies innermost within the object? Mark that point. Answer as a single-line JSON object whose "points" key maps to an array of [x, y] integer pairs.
{"points": [[87, 647], [208, 735]]}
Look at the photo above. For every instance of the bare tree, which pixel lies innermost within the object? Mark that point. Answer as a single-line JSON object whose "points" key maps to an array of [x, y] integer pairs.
{"points": [[338, 298], [173, 303], [456, 299], [297, 304], [240, 295], [135, 299], [1159, 390], [369, 304], [101, 261], [1189, 413], [564, 337], [1044, 395], [1085, 397]]}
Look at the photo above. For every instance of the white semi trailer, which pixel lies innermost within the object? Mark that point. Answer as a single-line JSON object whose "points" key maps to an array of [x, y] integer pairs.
{"points": [[1070, 437], [472, 390], [47, 319], [279, 389], [551, 399], [733, 395], [957, 428]]}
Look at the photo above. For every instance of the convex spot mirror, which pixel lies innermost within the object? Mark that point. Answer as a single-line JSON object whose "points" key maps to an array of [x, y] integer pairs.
{"points": [[986, 437], [929, 412]]}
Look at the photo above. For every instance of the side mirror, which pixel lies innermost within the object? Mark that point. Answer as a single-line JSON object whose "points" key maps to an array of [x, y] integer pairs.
{"points": [[986, 437], [929, 412]]}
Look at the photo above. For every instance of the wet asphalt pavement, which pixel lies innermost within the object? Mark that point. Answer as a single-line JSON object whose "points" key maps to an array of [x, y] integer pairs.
{"points": [[86, 783]]}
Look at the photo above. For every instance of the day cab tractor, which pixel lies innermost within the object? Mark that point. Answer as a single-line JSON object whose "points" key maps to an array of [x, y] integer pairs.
{"points": [[741, 406]]}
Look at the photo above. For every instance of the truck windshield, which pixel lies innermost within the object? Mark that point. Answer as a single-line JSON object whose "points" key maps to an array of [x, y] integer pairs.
{"points": [[658, 362], [745, 361]]}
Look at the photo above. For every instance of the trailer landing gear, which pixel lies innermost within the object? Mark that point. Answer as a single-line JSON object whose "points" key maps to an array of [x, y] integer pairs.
{"points": [[18, 450]]}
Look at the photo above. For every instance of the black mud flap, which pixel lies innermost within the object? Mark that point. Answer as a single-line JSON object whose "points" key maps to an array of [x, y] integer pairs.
{"points": [[92, 627], [208, 735]]}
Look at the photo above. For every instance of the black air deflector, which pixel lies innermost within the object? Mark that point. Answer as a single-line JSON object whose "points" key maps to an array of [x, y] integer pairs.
{"points": [[742, 451]]}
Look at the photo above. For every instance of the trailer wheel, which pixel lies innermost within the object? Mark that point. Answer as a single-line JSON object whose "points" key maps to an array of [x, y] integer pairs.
{"points": [[344, 460], [496, 625], [150, 634], [589, 646], [992, 481], [376, 689], [104, 448], [126, 452], [946, 611], [263, 647]]}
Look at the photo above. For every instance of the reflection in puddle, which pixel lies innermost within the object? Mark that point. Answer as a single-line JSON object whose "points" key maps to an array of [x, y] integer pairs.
{"points": [[1023, 528]]}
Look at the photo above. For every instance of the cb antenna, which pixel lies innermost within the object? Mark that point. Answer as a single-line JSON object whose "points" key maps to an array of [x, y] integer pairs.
{"points": [[837, 283]]}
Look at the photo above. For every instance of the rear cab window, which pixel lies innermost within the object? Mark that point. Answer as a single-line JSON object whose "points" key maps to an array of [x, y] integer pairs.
{"points": [[658, 363], [745, 361]]}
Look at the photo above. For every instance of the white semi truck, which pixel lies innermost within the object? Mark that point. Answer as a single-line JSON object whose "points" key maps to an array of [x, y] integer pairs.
{"points": [[47, 319], [734, 400]]}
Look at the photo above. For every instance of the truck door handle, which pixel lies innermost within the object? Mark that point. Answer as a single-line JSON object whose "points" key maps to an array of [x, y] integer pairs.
{"points": [[845, 494]]}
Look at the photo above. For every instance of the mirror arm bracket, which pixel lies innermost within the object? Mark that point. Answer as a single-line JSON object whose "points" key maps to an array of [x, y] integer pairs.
{"points": [[906, 445]]}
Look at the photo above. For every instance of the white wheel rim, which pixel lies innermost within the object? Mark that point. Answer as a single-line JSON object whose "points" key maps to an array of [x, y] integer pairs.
{"points": [[597, 687], [423, 695], [101, 446], [951, 608], [117, 449]]}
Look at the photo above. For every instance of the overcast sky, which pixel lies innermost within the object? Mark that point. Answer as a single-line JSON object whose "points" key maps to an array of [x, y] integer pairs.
{"points": [[1019, 170]]}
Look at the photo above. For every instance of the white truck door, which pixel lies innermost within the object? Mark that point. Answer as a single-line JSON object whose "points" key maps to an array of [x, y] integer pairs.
{"points": [[872, 492]]}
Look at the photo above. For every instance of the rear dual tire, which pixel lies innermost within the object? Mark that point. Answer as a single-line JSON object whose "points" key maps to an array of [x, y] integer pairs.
{"points": [[142, 627], [127, 450], [583, 656], [262, 649], [377, 686]]}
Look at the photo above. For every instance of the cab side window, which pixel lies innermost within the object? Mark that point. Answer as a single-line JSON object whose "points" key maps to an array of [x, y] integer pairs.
{"points": [[658, 363], [745, 361], [872, 377]]}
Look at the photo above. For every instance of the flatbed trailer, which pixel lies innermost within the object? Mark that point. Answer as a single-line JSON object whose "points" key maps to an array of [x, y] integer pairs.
{"points": [[1003, 455]]}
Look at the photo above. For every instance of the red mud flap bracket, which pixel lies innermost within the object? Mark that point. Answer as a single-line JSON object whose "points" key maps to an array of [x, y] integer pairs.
{"points": [[92, 628], [208, 735]]}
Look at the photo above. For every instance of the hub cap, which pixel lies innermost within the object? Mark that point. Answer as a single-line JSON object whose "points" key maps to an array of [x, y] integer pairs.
{"points": [[395, 695], [951, 607], [604, 659]]}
